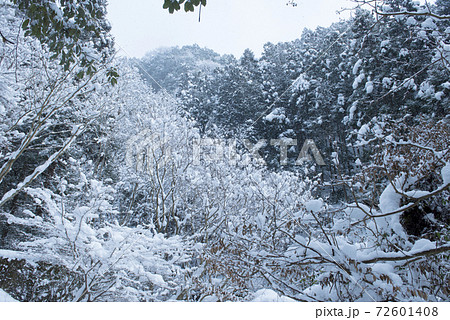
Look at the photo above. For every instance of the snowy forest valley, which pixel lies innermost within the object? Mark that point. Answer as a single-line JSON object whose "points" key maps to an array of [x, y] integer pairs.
{"points": [[319, 171]]}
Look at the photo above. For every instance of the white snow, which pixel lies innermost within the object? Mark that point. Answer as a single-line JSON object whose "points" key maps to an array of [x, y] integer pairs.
{"points": [[276, 114], [31, 258], [386, 8], [403, 52], [429, 24], [363, 130], [357, 66], [426, 90], [212, 298], [301, 83], [417, 193], [410, 84], [352, 111], [156, 279], [208, 65], [57, 10], [422, 245], [387, 82], [439, 95], [389, 199], [358, 80], [382, 268], [232, 196], [411, 21], [314, 205], [369, 87], [422, 34], [445, 172], [4, 297], [356, 214], [267, 295]]}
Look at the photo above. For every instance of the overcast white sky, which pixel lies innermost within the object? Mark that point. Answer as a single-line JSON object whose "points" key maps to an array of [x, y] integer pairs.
{"points": [[227, 26]]}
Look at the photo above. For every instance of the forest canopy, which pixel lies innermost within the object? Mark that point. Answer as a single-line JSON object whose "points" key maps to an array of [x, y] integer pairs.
{"points": [[181, 179]]}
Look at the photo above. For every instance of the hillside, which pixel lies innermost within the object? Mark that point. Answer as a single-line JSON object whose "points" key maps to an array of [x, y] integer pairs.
{"points": [[319, 171]]}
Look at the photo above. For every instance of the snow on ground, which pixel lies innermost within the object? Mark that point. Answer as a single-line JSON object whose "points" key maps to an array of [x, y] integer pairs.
{"points": [[267, 295]]}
